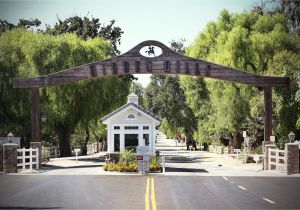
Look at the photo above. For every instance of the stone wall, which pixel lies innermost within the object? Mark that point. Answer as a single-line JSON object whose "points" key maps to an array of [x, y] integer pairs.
{"points": [[292, 158], [10, 158]]}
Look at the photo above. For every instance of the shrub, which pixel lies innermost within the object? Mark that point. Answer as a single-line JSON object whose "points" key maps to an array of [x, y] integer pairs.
{"points": [[127, 163], [127, 156]]}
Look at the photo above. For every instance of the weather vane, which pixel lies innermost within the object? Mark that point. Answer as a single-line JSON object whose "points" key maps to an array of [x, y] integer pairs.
{"points": [[150, 51]]}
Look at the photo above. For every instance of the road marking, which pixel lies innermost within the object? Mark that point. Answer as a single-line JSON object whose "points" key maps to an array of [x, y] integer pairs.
{"points": [[243, 188], [232, 182], [268, 200], [225, 178], [153, 196], [147, 203]]}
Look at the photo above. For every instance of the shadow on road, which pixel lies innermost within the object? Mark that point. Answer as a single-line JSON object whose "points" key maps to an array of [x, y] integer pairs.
{"points": [[27, 207], [198, 170]]}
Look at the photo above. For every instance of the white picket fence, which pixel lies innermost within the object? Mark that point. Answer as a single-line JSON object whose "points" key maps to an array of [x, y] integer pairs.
{"points": [[91, 149], [27, 158], [51, 152], [277, 159]]}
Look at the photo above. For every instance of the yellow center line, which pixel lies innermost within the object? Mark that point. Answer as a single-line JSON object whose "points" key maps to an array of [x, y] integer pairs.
{"points": [[147, 203], [153, 195]]}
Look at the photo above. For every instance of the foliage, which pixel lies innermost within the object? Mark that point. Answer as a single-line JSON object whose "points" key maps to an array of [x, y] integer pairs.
{"points": [[27, 54], [256, 43], [154, 163], [131, 164], [138, 89], [86, 28], [23, 23], [127, 156], [165, 98]]}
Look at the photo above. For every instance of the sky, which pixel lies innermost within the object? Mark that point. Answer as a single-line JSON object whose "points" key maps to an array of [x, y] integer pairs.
{"points": [[161, 20]]}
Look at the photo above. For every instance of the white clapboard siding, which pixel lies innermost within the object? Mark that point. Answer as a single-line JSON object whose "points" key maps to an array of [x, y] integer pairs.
{"points": [[27, 158]]}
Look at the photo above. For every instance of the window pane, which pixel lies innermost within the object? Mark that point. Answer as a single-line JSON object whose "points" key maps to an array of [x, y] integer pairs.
{"points": [[131, 141], [117, 142], [146, 139], [131, 127]]}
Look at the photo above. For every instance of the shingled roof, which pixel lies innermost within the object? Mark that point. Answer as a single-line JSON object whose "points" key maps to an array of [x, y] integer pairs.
{"points": [[127, 105]]}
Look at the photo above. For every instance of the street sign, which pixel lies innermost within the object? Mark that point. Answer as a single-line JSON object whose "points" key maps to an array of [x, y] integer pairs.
{"points": [[140, 150], [143, 158], [272, 138], [139, 157]]}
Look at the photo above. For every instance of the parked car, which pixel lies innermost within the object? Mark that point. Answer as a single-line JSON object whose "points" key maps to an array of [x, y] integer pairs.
{"points": [[191, 143]]}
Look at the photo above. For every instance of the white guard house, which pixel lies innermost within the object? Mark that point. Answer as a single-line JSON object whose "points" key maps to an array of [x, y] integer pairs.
{"points": [[130, 126]]}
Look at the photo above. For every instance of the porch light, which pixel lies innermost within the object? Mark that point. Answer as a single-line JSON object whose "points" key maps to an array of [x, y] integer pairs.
{"points": [[10, 137], [44, 118], [291, 136]]}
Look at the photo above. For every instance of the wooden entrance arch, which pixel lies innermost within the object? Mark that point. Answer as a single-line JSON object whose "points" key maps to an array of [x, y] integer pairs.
{"points": [[133, 62]]}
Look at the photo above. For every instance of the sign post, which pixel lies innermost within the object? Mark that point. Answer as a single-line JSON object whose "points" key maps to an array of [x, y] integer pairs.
{"points": [[143, 159], [237, 152]]}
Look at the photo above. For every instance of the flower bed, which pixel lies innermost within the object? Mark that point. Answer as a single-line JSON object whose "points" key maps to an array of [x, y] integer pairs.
{"points": [[128, 163]]}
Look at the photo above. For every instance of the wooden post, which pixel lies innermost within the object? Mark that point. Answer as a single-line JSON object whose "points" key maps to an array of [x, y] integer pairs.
{"points": [[35, 123], [35, 115], [268, 113]]}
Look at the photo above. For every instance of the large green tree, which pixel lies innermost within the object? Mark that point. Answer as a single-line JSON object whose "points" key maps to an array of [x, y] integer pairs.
{"points": [[165, 98], [250, 41], [25, 54]]}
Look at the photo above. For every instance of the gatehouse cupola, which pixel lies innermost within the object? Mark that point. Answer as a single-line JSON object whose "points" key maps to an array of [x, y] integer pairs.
{"points": [[133, 98]]}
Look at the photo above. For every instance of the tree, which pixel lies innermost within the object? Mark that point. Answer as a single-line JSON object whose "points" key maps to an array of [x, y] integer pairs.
{"points": [[249, 41], [86, 28], [138, 89], [23, 23], [165, 98], [66, 106]]}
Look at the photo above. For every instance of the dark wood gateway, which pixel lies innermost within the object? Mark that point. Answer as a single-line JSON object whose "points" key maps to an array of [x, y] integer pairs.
{"points": [[133, 62]]}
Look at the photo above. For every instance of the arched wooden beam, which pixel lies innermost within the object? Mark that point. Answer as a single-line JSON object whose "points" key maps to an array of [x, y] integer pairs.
{"points": [[132, 62]]}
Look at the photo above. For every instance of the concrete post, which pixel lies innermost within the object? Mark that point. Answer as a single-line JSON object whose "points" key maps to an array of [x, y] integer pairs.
{"points": [[10, 158], [34, 145], [292, 158], [266, 155], [1, 158]]}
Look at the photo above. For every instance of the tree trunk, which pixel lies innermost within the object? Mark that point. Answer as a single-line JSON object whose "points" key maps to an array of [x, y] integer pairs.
{"points": [[234, 142], [97, 141], [87, 139], [64, 142], [230, 145], [237, 140]]}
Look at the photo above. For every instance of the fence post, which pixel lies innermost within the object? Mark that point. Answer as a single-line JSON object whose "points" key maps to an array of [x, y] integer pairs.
{"points": [[37, 166], [38, 145], [266, 158], [10, 158], [23, 152], [292, 158], [164, 164], [1, 158]]}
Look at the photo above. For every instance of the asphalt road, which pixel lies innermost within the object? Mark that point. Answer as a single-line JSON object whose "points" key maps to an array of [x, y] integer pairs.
{"points": [[148, 192]]}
